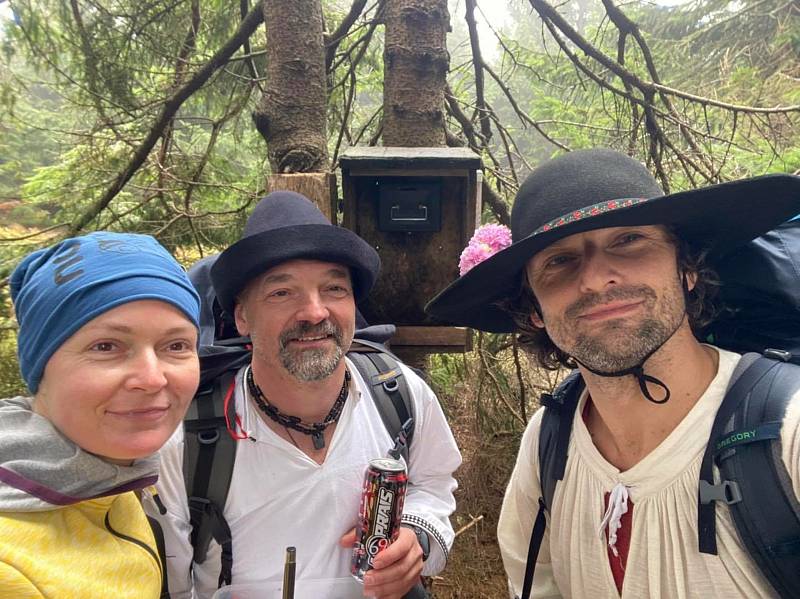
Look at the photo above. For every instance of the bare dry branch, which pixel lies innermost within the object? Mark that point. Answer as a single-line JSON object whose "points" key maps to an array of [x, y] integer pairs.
{"points": [[333, 40], [478, 64]]}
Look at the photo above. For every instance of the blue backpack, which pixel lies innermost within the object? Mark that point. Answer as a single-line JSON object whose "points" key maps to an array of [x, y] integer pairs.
{"points": [[761, 286]]}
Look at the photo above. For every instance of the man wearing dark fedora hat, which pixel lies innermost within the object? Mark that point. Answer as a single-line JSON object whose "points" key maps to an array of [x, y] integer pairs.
{"points": [[307, 425], [609, 275]]}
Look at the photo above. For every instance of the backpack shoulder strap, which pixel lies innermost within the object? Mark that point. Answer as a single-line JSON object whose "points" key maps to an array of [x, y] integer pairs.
{"points": [[208, 459], [745, 444], [706, 506], [554, 435], [390, 392], [380, 369], [158, 536]]}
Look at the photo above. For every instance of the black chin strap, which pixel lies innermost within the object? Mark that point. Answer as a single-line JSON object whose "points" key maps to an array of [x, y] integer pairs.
{"points": [[638, 373]]}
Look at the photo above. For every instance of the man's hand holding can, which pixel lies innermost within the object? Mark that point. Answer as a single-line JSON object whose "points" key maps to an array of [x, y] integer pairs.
{"points": [[396, 569]]}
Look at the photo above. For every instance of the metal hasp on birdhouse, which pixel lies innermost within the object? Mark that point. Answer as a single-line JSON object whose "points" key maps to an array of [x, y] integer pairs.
{"points": [[418, 207]]}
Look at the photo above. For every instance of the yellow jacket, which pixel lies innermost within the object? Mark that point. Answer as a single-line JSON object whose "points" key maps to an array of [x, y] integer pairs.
{"points": [[99, 548]]}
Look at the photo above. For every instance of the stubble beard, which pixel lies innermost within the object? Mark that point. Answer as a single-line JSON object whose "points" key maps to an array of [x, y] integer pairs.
{"points": [[311, 364], [621, 344]]}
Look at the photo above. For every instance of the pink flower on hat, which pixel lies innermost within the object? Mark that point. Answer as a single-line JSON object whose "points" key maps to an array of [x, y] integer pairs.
{"points": [[486, 242]]}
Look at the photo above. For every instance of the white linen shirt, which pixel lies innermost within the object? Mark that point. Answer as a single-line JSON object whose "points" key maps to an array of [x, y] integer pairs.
{"points": [[663, 560], [280, 497]]}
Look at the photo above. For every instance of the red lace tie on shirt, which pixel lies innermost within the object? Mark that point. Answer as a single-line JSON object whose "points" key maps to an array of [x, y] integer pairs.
{"points": [[619, 560]]}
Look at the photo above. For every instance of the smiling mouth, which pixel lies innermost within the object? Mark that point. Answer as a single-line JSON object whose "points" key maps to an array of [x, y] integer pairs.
{"points": [[311, 339], [301, 343], [153, 413], [304, 336], [611, 311]]}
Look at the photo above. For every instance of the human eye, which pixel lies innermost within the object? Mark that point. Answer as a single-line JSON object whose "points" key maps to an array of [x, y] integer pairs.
{"points": [[277, 295], [557, 261], [628, 239], [180, 346], [103, 347], [337, 290]]}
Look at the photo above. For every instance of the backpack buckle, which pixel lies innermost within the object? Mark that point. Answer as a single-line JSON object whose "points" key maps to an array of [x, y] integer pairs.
{"points": [[778, 354], [388, 380], [198, 506], [208, 436], [727, 492]]}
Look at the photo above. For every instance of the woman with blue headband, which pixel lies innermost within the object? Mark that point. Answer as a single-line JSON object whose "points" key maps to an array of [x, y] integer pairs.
{"points": [[107, 346]]}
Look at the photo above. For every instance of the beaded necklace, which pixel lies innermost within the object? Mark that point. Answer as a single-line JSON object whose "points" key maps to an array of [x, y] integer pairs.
{"points": [[315, 430]]}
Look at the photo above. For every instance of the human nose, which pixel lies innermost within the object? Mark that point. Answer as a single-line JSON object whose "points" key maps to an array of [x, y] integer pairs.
{"points": [[597, 272], [313, 309], [148, 373]]}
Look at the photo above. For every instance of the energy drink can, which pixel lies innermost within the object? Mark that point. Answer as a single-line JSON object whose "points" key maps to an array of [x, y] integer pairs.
{"points": [[382, 499]]}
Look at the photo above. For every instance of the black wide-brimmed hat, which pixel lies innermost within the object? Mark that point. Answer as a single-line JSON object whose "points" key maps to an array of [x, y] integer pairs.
{"points": [[287, 226], [594, 189]]}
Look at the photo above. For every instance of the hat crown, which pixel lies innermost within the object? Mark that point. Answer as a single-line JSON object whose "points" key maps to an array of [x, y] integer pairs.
{"points": [[281, 209], [286, 226], [578, 180]]}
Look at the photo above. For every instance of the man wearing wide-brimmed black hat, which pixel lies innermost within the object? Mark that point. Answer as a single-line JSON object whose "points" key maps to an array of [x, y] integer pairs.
{"points": [[306, 424], [609, 275]]}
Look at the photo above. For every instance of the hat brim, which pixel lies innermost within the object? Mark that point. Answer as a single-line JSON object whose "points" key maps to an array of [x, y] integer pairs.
{"points": [[719, 218], [254, 255]]}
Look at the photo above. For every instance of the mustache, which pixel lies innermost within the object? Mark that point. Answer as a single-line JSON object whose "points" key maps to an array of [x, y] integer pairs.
{"points": [[613, 295], [306, 329]]}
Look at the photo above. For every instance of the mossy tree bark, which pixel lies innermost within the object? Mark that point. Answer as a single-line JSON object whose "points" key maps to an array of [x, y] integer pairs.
{"points": [[291, 114], [415, 69]]}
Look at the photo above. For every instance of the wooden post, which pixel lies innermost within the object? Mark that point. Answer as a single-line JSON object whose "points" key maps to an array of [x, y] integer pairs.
{"points": [[320, 188]]}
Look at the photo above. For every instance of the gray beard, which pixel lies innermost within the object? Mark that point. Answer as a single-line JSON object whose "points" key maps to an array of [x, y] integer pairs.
{"points": [[315, 364], [311, 365]]}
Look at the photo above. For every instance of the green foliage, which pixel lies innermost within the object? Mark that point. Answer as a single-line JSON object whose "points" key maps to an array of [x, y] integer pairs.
{"points": [[27, 215], [11, 382], [90, 84]]}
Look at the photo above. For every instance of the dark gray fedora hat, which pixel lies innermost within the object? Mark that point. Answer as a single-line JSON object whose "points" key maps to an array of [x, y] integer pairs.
{"points": [[287, 226], [594, 189]]}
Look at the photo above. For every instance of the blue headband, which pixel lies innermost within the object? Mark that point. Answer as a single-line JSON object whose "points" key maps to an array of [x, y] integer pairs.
{"points": [[59, 289]]}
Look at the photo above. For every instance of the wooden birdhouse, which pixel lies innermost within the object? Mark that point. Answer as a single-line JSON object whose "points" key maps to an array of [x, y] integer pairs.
{"points": [[418, 207]]}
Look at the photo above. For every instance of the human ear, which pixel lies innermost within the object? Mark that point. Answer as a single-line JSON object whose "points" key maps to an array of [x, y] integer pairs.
{"points": [[691, 280], [240, 317], [536, 319]]}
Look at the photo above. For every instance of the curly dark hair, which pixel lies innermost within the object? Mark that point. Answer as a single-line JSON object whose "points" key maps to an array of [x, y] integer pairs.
{"points": [[700, 305]]}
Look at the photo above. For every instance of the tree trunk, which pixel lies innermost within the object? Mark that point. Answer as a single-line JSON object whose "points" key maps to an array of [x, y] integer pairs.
{"points": [[291, 114], [415, 69]]}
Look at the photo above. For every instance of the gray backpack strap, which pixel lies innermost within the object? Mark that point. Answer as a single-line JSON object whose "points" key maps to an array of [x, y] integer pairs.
{"points": [[554, 435], [380, 369], [208, 459], [389, 389], [746, 446]]}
